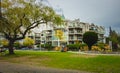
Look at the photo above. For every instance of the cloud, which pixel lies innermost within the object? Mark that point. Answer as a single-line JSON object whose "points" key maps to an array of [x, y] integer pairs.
{"points": [[101, 12]]}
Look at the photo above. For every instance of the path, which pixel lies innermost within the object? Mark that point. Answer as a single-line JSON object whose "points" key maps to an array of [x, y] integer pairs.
{"points": [[6, 67]]}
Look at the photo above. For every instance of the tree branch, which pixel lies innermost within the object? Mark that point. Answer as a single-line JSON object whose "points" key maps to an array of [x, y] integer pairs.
{"points": [[6, 35], [36, 25], [18, 28], [29, 28]]}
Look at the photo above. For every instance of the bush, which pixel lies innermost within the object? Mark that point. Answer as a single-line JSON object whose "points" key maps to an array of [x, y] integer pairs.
{"points": [[104, 47], [47, 46], [17, 45], [57, 48], [74, 47], [96, 48], [83, 47]]}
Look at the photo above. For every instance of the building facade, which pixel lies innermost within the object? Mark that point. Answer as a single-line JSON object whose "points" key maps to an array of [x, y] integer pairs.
{"points": [[72, 32]]}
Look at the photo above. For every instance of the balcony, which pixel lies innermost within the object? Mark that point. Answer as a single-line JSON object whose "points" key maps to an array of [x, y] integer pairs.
{"points": [[71, 31], [49, 34], [80, 39], [37, 36], [71, 38], [78, 32], [49, 39], [75, 38]]}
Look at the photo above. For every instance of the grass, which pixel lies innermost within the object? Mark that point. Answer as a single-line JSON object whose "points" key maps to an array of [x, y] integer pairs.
{"points": [[67, 60]]}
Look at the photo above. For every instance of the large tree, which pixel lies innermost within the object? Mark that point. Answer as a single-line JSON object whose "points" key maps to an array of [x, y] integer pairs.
{"points": [[90, 38], [20, 16]]}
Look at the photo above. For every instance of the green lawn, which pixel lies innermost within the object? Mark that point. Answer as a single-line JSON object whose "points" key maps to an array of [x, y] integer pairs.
{"points": [[67, 60]]}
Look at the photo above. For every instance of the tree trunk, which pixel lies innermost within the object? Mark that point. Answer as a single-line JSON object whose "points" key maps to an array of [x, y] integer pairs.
{"points": [[89, 48], [10, 47]]}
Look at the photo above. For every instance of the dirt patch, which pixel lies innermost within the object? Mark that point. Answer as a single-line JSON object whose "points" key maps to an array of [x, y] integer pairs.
{"points": [[7, 67], [29, 60]]}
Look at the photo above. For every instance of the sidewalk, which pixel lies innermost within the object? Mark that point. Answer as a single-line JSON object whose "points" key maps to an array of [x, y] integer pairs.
{"points": [[97, 53]]}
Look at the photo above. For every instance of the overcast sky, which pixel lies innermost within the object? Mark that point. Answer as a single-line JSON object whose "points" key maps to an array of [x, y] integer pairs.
{"points": [[100, 12]]}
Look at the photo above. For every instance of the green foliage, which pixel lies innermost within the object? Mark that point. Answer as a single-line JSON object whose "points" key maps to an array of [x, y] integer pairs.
{"points": [[59, 34], [90, 38], [28, 42], [47, 46], [4, 43], [118, 38], [114, 37], [20, 16], [17, 45], [74, 47], [26, 14], [101, 45]]}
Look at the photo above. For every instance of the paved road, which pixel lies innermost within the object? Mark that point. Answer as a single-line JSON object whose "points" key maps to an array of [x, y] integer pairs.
{"points": [[6, 67]]}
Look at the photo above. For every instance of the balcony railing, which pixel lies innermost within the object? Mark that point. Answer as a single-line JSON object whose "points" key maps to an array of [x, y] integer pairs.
{"points": [[71, 31], [49, 39], [78, 38], [49, 34]]}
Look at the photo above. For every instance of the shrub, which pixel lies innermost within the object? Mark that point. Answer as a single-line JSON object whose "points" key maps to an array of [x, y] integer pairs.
{"points": [[73, 47], [83, 47], [57, 48], [17, 45], [103, 47], [47, 46], [96, 48]]}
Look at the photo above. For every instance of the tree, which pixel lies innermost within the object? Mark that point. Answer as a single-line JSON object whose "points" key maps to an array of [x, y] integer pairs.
{"points": [[59, 35], [119, 39], [90, 38], [114, 37], [20, 16], [28, 42], [4, 43]]}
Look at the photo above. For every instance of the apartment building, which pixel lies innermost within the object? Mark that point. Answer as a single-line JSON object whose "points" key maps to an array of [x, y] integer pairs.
{"points": [[72, 33]]}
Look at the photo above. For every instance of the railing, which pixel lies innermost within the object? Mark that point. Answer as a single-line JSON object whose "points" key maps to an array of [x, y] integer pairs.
{"points": [[80, 38], [71, 31]]}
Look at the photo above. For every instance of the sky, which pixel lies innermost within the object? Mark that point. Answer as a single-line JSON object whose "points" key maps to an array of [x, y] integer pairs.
{"points": [[100, 12]]}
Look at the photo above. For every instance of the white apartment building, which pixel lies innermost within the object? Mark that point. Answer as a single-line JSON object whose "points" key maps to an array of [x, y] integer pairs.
{"points": [[72, 32]]}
